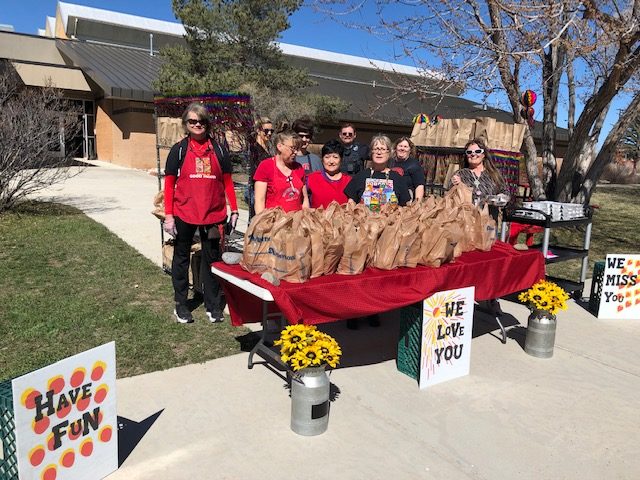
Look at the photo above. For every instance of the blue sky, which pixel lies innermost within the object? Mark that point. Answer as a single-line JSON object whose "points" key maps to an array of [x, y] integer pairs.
{"points": [[309, 28]]}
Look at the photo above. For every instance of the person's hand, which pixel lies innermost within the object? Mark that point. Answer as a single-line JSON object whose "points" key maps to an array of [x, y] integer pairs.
{"points": [[233, 220], [455, 180], [169, 225]]}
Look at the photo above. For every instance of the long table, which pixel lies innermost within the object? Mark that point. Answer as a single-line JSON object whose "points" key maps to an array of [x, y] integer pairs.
{"points": [[496, 273]]}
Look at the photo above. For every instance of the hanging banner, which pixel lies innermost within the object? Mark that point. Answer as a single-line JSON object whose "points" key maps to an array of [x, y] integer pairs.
{"points": [[65, 418], [447, 324], [620, 296]]}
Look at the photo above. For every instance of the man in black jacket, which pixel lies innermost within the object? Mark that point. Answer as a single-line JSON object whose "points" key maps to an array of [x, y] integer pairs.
{"points": [[355, 154]]}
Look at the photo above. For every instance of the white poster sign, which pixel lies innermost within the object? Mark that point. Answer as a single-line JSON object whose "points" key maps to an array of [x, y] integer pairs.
{"points": [[447, 322], [65, 418], [620, 296]]}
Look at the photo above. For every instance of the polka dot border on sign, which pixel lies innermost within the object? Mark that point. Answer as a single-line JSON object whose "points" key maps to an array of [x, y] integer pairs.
{"points": [[77, 377], [36, 455], [68, 458], [98, 370], [49, 473]]}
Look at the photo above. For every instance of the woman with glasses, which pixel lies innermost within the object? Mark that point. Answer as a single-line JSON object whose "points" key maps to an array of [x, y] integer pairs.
{"points": [[328, 185], [404, 159], [379, 184], [260, 149], [481, 175], [197, 180], [279, 180]]}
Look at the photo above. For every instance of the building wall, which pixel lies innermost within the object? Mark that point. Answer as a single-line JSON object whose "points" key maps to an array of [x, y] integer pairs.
{"points": [[125, 134]]}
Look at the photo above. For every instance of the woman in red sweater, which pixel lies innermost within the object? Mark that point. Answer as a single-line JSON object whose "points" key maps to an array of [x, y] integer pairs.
{"points": [[197, 179], [279, 181], [328, 184]]}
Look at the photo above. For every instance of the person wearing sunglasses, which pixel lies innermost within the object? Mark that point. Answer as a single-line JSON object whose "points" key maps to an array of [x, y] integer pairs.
{"points": [[260, 149], [197, 187], [280, 180], [310, 162], [481, 175], [404, 160], [355, 154]]}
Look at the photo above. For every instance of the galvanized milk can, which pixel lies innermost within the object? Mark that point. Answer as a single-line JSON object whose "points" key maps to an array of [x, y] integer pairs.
{"points": [[310, 401], [541, 334]]}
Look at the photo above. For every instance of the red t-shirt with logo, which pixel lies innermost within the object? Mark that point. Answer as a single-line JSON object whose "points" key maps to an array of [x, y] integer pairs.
{"points": [[323, 190], [199, 195], [282, 191]]}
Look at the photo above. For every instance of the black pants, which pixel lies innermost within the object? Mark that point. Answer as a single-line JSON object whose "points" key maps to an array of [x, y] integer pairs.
{"points": [[211, 291]]}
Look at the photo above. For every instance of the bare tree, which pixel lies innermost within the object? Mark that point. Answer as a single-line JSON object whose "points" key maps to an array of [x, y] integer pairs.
{"points": [[500, 48], [31, 120]]}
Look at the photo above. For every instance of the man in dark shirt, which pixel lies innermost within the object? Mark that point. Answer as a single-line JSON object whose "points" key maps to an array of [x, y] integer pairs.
{"points": [[355, 154]]}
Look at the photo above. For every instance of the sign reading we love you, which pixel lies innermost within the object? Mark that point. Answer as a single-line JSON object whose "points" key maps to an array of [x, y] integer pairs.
{"points": [[65, 418], [620, 296], [447, 322]]}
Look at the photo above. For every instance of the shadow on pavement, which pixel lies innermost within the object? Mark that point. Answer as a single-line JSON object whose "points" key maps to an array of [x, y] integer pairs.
{"points": [[88, 203], [130, 433]]}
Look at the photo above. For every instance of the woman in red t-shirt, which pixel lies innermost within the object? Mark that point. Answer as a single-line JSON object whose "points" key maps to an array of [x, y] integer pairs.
{"points": [[279, 181], [197, 179], [328, 184]]}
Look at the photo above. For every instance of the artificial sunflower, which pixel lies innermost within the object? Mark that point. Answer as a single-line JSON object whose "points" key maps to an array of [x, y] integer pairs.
{"points": [[303, 346], [545, 295]]}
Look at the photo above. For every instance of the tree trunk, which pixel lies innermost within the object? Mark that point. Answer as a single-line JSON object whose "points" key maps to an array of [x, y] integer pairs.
{"points": [[607, 151]]}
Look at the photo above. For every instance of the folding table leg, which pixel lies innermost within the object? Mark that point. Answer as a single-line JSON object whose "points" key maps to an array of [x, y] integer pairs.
{"points": [[261, 348]]}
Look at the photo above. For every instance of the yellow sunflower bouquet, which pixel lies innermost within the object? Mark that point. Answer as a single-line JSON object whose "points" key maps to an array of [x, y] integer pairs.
{"points": [[304, 346], [545, 295]]}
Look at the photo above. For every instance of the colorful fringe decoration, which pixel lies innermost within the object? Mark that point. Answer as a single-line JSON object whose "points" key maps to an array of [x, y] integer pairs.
{"points": [[422, 118], [509, 165], [229, 111]]}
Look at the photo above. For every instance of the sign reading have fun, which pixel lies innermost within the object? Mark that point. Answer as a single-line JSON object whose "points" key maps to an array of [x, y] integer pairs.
{"points": [[447, 322], [620, 297], [65, 418]]}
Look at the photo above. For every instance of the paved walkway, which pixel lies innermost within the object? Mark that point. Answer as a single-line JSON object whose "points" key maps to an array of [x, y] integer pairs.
{"points": [[574, 416]]}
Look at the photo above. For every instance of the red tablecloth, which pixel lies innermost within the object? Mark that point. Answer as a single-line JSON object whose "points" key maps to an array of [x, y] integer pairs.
{"points": [[501, 271]]}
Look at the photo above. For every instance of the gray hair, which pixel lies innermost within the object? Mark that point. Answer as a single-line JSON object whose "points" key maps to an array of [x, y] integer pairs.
{"points": [[380, 138]]}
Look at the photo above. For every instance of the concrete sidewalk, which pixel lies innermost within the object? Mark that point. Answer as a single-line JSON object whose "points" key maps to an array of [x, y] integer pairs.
{"points": [[574, 416]]}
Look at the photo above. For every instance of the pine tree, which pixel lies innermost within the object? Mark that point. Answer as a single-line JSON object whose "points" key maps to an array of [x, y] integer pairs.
{"points": [[230, 47]]}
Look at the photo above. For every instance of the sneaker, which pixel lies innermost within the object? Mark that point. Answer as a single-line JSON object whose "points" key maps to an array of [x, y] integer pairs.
{"points": [[182, 313], [216, 316]]}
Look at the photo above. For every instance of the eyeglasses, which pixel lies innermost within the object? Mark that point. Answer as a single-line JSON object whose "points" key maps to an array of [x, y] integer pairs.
{"points": [[475, 152], [193, 122], [346, 134], [304, 135], [380, 150], [290, 147], [267, 131]]}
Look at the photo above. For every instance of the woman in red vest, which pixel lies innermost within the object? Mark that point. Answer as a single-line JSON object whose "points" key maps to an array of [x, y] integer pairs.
{"points": [[197, 179], [279, 181]]}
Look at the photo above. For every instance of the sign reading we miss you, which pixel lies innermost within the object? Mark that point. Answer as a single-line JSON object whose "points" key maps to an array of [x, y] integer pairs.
{"points": [[447, 322], [620, 297], [65, 418]]}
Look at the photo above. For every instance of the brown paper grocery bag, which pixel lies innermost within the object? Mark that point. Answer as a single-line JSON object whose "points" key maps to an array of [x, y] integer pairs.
{"points": [[485, 230], [356, 248], [388, 243], [410, 240], [257, 240]]}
